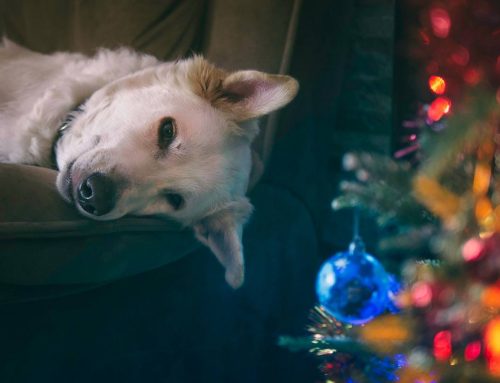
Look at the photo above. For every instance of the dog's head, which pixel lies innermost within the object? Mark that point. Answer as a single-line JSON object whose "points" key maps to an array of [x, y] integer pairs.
{"points": [[172, 140]]}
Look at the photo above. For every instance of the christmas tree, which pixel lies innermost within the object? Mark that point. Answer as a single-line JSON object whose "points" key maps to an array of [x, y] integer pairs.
{"points": [[438, 200]]}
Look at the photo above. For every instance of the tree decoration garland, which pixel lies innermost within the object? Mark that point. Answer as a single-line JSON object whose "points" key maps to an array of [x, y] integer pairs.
{"points": [[441, 209]]}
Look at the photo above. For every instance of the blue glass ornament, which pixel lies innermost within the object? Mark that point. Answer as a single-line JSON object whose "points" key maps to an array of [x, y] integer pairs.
{"points": [[353, 286]]}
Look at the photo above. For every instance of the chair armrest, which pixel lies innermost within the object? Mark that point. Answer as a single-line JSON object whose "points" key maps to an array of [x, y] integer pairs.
{"points": [[44, 241]]}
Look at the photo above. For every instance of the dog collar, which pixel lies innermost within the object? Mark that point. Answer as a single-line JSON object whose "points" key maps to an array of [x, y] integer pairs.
{"points": [[63, 128]]}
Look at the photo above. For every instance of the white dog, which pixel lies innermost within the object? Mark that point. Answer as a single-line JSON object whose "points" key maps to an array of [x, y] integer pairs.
{"points": [[132, 135]]}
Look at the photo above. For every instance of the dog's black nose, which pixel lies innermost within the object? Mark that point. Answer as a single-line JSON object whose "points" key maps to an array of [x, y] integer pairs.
{"points": [[97, 194]]}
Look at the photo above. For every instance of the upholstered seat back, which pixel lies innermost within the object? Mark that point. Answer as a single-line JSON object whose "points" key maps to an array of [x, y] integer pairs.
{"points": [[241, 34]]}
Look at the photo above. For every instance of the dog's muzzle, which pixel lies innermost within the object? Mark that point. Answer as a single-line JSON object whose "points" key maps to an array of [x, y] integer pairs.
{"points": [[97, 194]]}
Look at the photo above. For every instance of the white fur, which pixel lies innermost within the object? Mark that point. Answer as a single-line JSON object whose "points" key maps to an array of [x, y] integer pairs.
{"points": [[124, 95]]}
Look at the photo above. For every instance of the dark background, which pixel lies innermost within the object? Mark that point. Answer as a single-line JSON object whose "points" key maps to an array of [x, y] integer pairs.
{"points": [[344, 59]]}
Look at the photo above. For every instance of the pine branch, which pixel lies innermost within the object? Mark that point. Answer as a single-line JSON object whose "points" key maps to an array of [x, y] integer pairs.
{"points": [[383, 187]]}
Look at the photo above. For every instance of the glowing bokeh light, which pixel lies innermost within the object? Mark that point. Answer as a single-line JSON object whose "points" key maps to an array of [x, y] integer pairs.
{"points": [[472, 249], [438, 108], [482, 178], [472, 76], [461, 56], [483, 209], [441, 22], [491, 296], [472, 351], [442, 345], [492, 346], [421, 294], [437, 84]]}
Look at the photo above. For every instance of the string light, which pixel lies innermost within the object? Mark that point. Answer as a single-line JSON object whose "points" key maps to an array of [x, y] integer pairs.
{"points": [[491, 296], [461, 56], [442, 345], [439, 107], [441, 22], [472, 351], [437, 84], [472, 249], [421, 294], [472, 76], [492, 346]]}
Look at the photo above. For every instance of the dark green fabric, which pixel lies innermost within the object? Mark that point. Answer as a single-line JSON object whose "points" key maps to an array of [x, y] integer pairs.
{"points": [[44, 241], [168, 29]]}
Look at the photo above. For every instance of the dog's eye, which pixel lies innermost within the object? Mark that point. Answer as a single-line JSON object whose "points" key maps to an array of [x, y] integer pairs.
{"points": [[166, 132], [175, 200]]}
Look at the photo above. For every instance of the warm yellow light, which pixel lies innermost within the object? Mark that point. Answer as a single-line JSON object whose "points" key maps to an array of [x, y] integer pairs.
{"points": [[436, 198], [437, 84], [482, 176], [438, 108], [491, 296], [492, 346], [385, 332], [483, 209]]}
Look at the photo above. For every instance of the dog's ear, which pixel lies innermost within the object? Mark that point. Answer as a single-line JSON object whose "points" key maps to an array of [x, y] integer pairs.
{"points": [[250, 94], [242, 95], [222, 231]]}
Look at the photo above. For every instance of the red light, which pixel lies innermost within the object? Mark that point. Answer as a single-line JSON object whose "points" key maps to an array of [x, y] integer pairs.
{"points": [[439, 107], [421, 294], [461, 56], [442, 345], [441, 23], [472, 249], [329, 366], [492, 346], [472, 351], [472, 76], [425, 38], [437, 84]]}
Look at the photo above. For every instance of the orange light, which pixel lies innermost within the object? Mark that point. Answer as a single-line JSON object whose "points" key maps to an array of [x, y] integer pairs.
{"points": [[492, 346], [483, 209], [496, 218], [437, 84], [436, 198], [491, 296], [439, 107], [442, 345], [482, 177], [440, 21]]}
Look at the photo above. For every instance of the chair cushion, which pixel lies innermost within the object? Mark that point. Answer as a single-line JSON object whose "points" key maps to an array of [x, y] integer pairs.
{"points": [[43, 240], [167, 29]]}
